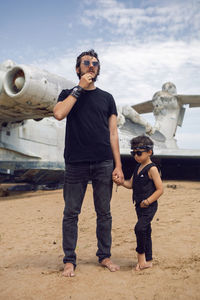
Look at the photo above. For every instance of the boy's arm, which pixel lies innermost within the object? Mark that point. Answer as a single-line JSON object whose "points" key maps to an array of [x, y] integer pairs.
{"points": [[128, 183], [155, 176]]}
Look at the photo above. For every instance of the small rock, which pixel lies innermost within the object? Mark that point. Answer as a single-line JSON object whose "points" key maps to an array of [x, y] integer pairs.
{"points": [[172, 186]]}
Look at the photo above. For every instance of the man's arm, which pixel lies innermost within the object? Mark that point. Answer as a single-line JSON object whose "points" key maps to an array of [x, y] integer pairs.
{"points": [[114, 141], [62, 109]]}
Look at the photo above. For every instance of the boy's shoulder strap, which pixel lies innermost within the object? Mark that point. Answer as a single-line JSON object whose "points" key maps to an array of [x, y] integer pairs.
{"points": [[136, 170], [147, 168]]}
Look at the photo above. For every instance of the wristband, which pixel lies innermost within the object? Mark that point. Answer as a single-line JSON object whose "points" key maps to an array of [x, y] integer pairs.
{"points": [[77, 91]]}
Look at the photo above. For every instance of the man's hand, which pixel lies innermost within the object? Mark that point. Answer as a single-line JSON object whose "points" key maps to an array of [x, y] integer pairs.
{"points": [[85, 80], [118, 176]]}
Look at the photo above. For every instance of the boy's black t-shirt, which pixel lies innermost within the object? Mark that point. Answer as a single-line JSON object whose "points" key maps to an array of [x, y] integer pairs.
{"points": [[87, 131]]}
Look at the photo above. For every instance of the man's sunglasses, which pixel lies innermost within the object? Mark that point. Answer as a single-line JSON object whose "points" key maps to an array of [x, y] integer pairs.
{"points": [[87, 63], [138, 152]]}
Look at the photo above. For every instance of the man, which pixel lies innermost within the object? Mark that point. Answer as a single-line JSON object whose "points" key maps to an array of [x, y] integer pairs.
{"points": [[91, 144]]}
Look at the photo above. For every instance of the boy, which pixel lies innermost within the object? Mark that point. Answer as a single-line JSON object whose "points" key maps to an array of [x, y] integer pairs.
{"points": [[147, 188]]}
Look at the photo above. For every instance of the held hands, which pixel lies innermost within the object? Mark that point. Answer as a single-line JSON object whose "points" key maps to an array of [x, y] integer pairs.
{"points": [[145, 203], [118, 176], [86, 80]]}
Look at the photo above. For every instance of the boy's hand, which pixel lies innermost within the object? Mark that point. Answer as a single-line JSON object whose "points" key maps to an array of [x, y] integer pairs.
{"points": [[118, 176], [116, 180], [144, 204]]}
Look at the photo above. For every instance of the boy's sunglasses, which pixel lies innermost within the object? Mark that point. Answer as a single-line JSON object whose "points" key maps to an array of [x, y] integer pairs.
{"points": [[138, 152], [87, 63]]}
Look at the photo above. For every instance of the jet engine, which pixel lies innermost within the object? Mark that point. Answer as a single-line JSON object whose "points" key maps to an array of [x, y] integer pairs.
{"points": [[34, 92]]}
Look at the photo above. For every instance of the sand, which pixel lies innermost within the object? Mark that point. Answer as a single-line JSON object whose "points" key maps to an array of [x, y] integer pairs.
{"points": [[31, 248]]}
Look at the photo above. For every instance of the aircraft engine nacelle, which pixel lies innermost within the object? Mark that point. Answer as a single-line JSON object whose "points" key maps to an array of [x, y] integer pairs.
{"points": [[8, 64], [33, 91]]}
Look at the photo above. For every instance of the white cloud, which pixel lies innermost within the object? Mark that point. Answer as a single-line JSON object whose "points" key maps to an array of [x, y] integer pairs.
{"points": [[149, 21], [134, 73]]}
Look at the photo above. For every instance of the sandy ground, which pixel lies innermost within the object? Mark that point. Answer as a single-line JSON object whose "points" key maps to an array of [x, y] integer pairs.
{"points": [[31, 248]]}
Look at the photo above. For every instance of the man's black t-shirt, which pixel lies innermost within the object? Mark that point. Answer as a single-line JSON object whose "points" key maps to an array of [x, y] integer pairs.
{"points": [[87, 130]]}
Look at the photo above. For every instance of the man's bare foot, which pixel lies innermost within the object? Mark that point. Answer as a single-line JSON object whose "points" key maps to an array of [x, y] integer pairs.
{"points": [[107, 262], [68, 270], [143, 266]]}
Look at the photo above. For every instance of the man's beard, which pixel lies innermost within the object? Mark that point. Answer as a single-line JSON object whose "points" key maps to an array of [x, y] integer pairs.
{"points": [[95, 78], [81, 74]]}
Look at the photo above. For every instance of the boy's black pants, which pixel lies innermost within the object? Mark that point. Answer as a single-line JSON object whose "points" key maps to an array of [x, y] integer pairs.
{"points": [[143, 229]]}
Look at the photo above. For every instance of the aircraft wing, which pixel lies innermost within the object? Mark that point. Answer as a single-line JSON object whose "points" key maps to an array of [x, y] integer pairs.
{"points": [[147, 106], [144, 107], [192, 100]]}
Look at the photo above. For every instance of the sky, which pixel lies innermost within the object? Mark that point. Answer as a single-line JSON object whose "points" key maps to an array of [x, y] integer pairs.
{"points": [[141, 45]]}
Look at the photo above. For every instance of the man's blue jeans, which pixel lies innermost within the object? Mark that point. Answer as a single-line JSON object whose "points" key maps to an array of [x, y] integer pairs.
{"points": [[77, 176]]}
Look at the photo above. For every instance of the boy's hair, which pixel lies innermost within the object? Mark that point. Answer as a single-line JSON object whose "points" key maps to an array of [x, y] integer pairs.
{"points": [[91, 53], [142, 142]]}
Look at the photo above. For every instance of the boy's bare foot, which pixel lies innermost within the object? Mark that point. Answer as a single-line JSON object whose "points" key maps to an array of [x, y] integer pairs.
{"points": [[107, 262], [143, 266], [68, 270]]}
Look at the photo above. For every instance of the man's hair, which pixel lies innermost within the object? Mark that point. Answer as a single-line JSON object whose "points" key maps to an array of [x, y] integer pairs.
{"points": [[142, 142], [91, 53]]}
